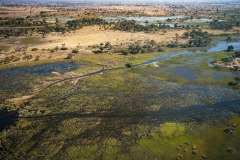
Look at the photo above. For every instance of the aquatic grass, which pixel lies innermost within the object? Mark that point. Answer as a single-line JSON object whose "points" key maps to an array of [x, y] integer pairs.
{"points": [[172, 129]]}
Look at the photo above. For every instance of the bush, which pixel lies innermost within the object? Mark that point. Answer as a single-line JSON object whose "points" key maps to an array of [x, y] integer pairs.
{"points": [[237, 79], [229, 39], [134, 48], [230, 48], [6, 60], [227, 59], [34, 49], [16, 59], [27, 57], [37, 58], [98, 51], [75, 51], [64, 48], [160, 50], [236, 54], [129, 65], [70, 56], [232, 83], [124, 53]]}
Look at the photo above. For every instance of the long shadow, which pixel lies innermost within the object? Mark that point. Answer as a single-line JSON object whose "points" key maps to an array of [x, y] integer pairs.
{"points": [[194, 113], [7, 119]]}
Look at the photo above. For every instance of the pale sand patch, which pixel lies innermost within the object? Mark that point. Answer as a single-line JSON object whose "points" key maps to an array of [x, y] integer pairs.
{"points": [[89, 36], [20, 100]]}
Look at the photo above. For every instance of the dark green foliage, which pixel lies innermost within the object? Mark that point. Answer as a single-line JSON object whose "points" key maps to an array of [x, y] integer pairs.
{"points": [[232, 84], [124, 52], [6, 60], [126, 25], [147, 47], [229, 39], [129, 65], [227, 59], [41, 26], [237, 80], [172, 45], [185, 35], [230, 48], [9, 59], [133, 26], [221, 25], [34, 49], [98, 51], [75, 51], [236, 54], [79, 23], [27, 57], [134, 48], [64, 48], [199, 39]]}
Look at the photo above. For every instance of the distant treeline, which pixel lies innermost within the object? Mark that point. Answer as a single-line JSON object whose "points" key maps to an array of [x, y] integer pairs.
{"points": [[224, 25], [27, 26], [21, 26]]}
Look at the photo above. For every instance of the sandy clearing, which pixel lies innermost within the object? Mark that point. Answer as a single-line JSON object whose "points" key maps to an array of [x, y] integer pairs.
{"points": [[94, 36], [20, 99]]}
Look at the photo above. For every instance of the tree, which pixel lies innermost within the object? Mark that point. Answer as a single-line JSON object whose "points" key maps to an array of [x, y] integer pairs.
{"points": [[185, 35], [230, 48], [129, 65], [236, 54], [175, 25], [56, 48], [134, 48], [229, 39], [75, 51]]}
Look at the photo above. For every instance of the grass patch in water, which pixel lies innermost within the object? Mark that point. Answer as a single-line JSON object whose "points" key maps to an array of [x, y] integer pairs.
{"points": [[205, 80], [172, 129], [158, 78]]}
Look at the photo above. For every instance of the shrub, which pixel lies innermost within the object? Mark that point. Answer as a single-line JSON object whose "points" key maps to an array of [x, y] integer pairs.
{"points": [[237, 54], [232, 83], [64, 48], [98, 51], [37, 58], [34, 49], [129, 65], [75, 51], [70, 56], [230, 48], [6, 60], [124, 52], [27, 57], [16, 59]]}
